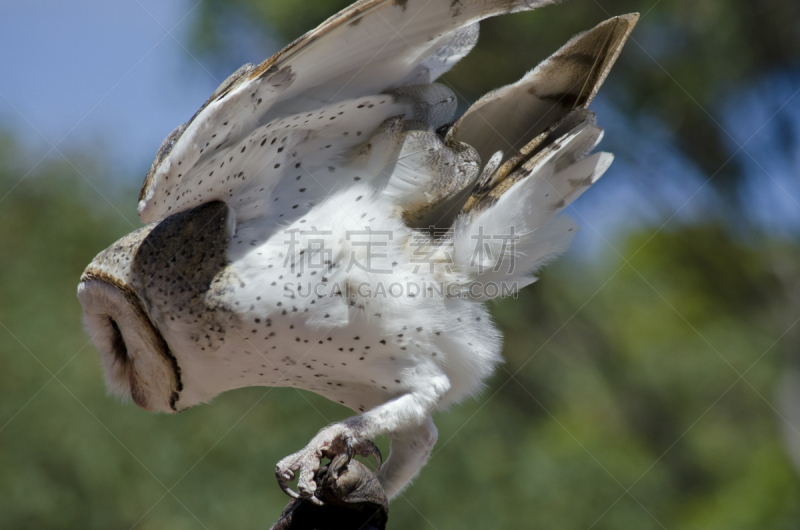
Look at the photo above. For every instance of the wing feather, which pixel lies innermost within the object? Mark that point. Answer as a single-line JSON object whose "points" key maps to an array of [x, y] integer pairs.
{"points": [[368, 48], [525, 207], [511, 117], [245, 172], [428, 175], [562, 145]]}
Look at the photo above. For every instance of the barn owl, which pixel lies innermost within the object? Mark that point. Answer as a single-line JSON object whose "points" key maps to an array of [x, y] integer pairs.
{"points": [[323, 223]]}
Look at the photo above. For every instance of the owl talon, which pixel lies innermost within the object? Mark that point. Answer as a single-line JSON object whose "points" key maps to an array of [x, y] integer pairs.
{"points": [[315, 500], [283, 478], [378, 457], [288, 491], [372, 450], [330, 442], [367, 449]]}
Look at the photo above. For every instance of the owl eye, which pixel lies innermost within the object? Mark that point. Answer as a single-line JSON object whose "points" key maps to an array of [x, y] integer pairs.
{"points": [[118, 346]]}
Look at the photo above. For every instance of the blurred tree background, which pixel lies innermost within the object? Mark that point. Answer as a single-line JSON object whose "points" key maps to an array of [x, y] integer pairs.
{"points": [[648, 378]]}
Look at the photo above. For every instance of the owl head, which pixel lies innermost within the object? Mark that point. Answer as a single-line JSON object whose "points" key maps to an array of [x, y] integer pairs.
{"points": [[143, 299]]}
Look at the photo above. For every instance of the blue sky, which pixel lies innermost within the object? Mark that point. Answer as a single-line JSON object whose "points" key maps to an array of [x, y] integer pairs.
{"points": [[95, 72]]}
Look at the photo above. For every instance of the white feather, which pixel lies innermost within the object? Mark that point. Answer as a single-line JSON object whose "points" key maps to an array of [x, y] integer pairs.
{"points": [[507, 242]]}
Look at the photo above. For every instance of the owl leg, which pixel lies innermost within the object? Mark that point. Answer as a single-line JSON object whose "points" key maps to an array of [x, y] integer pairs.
{"points": [[410, 450], [406, 419]]}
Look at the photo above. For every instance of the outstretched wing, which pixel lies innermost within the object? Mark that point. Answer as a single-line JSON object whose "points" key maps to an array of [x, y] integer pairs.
{"points": [[311, 101], [509, 118], [517, 122], [540, 135]]}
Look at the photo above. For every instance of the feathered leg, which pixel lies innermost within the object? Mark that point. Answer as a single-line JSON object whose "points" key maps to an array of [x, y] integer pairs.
{"points": [[406, 418], [410, 449]]}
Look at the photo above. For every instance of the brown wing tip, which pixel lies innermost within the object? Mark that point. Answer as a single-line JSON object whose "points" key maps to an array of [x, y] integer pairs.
{"points": [[618, 30], [631, 18]]}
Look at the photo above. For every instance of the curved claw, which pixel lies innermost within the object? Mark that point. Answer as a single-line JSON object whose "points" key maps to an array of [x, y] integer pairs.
{"points": [[373, 451], [283, 483], [377, 454], [316, 501]]}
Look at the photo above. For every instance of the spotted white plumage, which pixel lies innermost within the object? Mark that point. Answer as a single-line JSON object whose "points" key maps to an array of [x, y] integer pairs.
{"points": [[283, 215]]}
